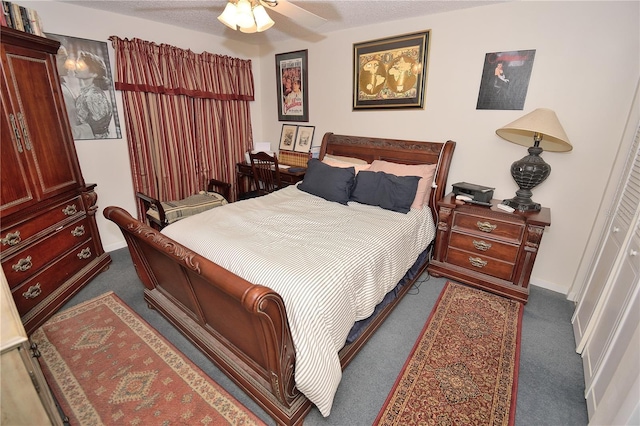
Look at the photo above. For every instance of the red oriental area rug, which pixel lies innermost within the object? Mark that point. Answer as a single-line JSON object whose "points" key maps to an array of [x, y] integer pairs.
{"points": [[106, 365], [463, 368]]}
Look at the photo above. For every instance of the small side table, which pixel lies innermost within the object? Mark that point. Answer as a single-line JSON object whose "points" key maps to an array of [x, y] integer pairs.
{"points": [[486, 247]]}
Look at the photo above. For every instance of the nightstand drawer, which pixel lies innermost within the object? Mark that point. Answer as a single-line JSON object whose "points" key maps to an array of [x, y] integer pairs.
{"points": [[484, 246], [483, 264], [504, 230]]}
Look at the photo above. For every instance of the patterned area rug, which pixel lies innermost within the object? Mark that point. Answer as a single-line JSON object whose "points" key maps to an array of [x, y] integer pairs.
{"points": [[463, 368], [106, 365]]}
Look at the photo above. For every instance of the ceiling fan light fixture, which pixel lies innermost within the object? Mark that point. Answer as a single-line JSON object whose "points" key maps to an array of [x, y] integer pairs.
{"points": [[229, 16], [249, 30], [245, 16], [263, 20]]}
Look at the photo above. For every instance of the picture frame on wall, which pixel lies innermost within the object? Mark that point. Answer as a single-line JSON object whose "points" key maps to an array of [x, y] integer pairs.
{"points": [[391, 72], [87, 86], [304, 138], [288, 137], [292, 86], [505, 80]]}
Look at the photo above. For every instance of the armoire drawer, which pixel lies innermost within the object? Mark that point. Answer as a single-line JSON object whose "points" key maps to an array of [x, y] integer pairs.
{"points": [[484, 246], [483, 264], [48, 280], [508, 231], [28, 261], [18, 235]]}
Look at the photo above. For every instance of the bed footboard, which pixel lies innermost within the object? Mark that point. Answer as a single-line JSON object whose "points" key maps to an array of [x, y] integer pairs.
{"points": [[240, 326]]}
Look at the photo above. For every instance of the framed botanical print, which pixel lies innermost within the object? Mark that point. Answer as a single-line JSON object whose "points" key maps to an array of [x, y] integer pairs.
{"points": [[390, 72], [304, 138], [288, 137], [292, 86]]}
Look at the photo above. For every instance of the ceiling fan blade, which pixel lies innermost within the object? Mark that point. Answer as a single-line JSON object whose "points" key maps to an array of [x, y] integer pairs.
{"points": [[297, 14]]}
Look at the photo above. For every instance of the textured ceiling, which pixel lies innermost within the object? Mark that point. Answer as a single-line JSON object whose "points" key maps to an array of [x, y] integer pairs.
{"points": [[201, 15]]}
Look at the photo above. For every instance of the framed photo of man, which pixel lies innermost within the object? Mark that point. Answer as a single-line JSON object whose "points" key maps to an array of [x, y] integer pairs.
{"points": [[87, 86], [505, 80], [292, 86]]}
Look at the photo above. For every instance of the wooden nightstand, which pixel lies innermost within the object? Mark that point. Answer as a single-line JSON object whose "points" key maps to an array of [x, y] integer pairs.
{"points": [[486, 247]]}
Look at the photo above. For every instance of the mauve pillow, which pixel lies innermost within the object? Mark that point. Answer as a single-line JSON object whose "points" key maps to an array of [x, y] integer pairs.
{"points": [[425, 171], [330, 183], [388, 191], [333, 162]]}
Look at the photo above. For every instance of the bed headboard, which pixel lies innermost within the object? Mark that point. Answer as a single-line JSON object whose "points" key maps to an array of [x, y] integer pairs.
{"points": [[397, 151]]}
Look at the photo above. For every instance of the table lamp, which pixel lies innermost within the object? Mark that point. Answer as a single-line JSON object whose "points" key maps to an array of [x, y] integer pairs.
{"points": [[541, 127]]}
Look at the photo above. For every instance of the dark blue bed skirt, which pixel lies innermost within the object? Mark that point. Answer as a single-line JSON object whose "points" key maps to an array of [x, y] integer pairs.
{"points": [[359, 326]]}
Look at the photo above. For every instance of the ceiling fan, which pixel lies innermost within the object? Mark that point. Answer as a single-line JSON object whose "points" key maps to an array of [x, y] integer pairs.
{"points": [[250, 16]]}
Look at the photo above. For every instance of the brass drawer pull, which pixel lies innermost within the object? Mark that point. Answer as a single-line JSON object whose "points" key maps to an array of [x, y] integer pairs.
{"points": [[16, 132], [78, 232], [11, 239], [25, 131], [70, 210], [33, 292], [486, 226], [85, 253], [23, 264], [477, 262], [481, 245]]}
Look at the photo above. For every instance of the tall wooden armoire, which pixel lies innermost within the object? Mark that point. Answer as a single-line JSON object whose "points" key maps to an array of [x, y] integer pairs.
{"points": [[49, 242]]}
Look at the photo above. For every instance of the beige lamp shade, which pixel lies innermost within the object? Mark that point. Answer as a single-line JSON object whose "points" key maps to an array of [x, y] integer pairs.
{"points": [[542, 121]]}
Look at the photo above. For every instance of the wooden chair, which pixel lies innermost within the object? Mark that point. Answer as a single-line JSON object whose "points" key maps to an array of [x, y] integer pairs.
{"points": [[162, 213], [266, 174]]}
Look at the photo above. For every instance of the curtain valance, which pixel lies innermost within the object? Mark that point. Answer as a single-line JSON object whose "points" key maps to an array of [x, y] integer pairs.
{"points": [[144, 66]]}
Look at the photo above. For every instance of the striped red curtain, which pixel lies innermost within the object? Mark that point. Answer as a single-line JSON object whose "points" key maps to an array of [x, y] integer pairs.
{"points": [[187, 116]]}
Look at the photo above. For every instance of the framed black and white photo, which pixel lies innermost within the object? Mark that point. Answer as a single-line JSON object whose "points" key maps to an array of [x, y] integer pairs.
{"points": [[304, 138], [505, 80], [288, 137], [292, 86], [87, 85]]}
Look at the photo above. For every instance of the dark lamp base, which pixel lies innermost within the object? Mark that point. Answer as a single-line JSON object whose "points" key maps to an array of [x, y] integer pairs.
{"points": [[522, 204]]}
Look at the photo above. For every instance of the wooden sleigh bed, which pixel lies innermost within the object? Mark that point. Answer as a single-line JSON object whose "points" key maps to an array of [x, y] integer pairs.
{"points": [[243, 327]]}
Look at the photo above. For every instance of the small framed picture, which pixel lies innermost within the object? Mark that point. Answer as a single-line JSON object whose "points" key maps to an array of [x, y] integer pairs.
{"points": [[304, 139], [288, 137], [292, 85]]}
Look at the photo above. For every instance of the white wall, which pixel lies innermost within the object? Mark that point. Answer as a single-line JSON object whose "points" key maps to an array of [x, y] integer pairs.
{"points": [[586, 68]]}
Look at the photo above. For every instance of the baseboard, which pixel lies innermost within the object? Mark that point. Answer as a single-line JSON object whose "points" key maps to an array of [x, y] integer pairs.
{"points": [[115, 246], [548, 285]]}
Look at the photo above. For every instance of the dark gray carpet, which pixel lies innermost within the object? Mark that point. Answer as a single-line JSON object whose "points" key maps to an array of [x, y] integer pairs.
{"points": [[551, 382]]}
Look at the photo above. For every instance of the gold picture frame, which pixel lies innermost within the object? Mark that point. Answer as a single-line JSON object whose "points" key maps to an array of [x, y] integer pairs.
{"points": [[391, 73]]}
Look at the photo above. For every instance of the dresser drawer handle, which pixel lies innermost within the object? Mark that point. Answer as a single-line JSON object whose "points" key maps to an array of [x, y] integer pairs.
{"points": [[70, 210], [33, 292], [486, 226], [78, 232], [85, 253], [481, 245], [11, 239], [23, 264], [477, 262]]}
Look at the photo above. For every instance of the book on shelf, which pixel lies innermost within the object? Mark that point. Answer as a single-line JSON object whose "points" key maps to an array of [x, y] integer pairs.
{"points": [[21, 18]]}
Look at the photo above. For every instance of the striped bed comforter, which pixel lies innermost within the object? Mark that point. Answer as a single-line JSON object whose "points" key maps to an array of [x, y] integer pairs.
{"points": [[330, 263]]}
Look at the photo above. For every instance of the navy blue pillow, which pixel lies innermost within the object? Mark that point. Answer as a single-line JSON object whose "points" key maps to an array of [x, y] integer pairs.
{"points": [[391, 192], [330, 183]]}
